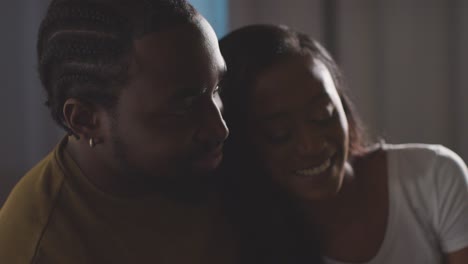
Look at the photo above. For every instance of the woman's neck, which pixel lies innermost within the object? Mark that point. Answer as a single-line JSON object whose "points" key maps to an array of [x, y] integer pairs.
{"points": [[358, 187]]}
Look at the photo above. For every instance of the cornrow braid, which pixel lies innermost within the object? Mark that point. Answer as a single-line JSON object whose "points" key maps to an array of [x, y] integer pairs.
{"points": [[84, 46]]}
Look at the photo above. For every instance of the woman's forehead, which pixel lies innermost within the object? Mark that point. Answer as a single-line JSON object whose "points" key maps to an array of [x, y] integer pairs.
{"points": [[297, 74], [291, 83]]}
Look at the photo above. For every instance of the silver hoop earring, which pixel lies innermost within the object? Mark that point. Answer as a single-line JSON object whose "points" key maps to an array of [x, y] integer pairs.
{"points": [[92, 143]]}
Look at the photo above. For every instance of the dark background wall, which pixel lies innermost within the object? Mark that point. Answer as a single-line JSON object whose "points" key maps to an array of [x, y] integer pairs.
{"points": [[406, 63], [27, 131]]}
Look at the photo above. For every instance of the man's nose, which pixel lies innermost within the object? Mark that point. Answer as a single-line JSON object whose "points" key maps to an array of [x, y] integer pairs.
{"points": [[213, 127]]}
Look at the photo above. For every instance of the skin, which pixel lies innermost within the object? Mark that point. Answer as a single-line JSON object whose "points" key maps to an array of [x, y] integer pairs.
{"points": [[166, 130], [295, 110], [298, 123], [300, 127], [458, 257]]}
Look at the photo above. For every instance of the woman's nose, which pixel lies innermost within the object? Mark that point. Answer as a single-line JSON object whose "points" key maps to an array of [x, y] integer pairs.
{"points": [[310, 142]]}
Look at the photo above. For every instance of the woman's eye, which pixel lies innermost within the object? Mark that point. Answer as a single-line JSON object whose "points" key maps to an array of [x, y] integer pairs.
{"points": [[324, 117], [278, 137]]}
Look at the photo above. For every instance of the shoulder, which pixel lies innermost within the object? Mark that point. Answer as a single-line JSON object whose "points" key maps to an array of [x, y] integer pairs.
{"points": [[417, 150], [432, 173], [25, 214], [425, 159], [434, 180]]}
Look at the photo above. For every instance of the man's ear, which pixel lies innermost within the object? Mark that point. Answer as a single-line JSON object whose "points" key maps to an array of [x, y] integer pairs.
{"points": [[81, 118]]}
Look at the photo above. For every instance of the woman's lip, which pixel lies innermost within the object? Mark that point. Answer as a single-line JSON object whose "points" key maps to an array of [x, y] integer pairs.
{"points": [[316, 170], [331, 158]]}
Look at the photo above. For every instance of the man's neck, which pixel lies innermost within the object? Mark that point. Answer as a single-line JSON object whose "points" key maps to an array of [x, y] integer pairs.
{"points": [[98, 170]]}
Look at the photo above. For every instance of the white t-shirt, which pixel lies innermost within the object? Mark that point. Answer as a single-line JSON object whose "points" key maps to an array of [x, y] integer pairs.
{"points": [[428, 205]]}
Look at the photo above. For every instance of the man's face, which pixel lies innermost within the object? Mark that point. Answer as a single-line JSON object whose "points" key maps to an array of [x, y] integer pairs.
{"points": [[167, 123]]}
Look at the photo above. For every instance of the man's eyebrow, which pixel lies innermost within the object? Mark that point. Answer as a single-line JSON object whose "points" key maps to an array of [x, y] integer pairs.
{"points": [[184, 92]]}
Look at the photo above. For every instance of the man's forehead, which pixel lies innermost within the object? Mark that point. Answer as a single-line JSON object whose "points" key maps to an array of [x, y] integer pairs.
{"points": [[182, 57], [167, 42], [174, 48]]}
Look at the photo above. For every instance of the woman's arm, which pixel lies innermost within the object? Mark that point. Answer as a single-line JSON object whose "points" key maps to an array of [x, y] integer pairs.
{"points": [[458, 257]]}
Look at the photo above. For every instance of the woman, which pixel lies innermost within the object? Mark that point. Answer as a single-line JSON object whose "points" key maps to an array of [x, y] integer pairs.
{"points": [[294, 134]]}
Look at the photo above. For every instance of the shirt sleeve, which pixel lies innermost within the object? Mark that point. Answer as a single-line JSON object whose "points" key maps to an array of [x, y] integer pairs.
{"points": [[451, 180]]}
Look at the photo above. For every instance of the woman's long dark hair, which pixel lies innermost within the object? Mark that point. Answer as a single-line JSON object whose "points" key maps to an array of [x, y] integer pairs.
{"points": [[272, 230]]}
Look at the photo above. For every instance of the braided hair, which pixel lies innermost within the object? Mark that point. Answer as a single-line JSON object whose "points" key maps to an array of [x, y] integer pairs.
{"points": [[84, 46]]}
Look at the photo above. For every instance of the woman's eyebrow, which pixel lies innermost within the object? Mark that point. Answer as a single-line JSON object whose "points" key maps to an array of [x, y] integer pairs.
{"points": [[271, 117]]}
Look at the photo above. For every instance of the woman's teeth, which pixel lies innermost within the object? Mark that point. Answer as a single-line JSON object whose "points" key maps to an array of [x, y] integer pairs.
{"points": [[316, 170]]}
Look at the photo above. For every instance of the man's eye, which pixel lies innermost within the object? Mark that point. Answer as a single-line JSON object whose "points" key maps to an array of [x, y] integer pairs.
{"points": [[217, 90], [185, 105], [189, 101]]}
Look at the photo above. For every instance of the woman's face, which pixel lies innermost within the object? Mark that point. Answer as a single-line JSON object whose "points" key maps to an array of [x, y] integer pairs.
{"points": [[299, 129]]}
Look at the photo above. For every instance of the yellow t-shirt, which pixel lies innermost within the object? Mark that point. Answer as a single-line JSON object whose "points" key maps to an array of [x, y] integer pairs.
{"points": [[55, 215]]}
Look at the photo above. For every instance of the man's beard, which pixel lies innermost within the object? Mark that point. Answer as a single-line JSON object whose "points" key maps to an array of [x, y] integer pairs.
{"points": [[182, 183]]}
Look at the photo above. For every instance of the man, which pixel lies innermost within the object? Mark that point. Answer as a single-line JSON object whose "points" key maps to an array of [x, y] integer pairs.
{"points": [[135, 85]]}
